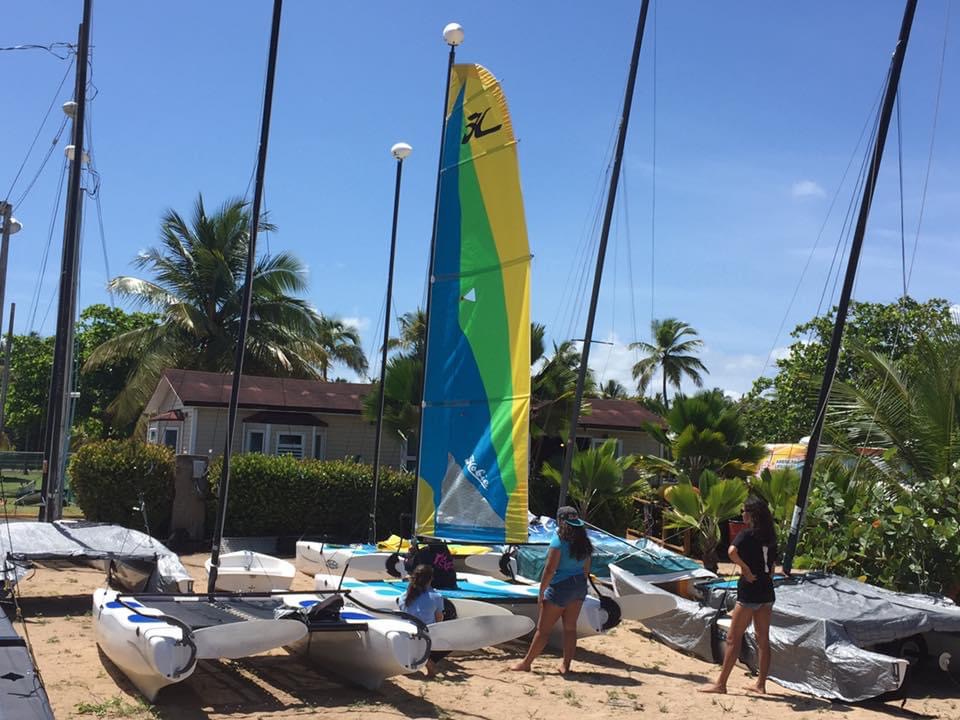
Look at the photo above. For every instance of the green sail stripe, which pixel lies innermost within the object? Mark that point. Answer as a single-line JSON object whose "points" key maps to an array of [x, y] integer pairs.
{"points": [[486, 331]]}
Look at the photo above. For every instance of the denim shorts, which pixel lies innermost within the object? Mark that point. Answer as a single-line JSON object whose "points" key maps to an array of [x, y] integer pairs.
{"points": [[755, 606], [573, 589]]}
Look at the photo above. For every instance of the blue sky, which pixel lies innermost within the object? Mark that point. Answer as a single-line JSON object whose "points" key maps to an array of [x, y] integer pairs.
{"points": [[757, 108]]}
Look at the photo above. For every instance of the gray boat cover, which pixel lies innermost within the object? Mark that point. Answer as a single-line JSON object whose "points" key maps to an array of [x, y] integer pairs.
{"points": [[826, 632], [22, 696], [131, 553]]}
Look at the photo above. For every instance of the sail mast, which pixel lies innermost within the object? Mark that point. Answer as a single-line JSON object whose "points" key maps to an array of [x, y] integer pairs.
{"points": [[247, 298], [51, 486], [400, 152], [453, 36], [886, 112], [602, 252]]}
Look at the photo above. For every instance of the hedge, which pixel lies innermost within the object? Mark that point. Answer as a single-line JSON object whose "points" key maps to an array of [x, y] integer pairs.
{"points": [[281, 495], [108, 477]]}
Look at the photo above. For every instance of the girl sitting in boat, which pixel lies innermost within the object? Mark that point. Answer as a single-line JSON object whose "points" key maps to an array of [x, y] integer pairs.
{"points": [[425, 604], [754, 551], [563, 587]]}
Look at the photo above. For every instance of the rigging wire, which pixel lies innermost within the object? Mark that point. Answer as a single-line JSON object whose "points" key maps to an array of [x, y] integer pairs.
{"points": [[43, 124], [820, 233], [903, 234], [653, 188], [933, 135], [43, 163], [35, 302], [95, 194], [51, 48]]}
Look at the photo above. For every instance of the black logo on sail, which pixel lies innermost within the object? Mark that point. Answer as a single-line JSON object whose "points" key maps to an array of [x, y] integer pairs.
{"points": [[475, 129]]}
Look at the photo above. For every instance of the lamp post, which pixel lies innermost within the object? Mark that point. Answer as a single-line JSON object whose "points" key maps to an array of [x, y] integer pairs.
{"points": [[401, 151], [11, 226]]}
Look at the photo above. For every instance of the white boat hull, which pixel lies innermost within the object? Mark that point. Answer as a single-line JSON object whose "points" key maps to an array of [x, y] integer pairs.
{"points": [[148, 652], [152, 652], [247, 571], [378, 649]]}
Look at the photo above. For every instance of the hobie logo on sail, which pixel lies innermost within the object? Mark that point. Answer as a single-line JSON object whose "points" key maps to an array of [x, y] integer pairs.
{"points": [[476, 472], [474, 128]]}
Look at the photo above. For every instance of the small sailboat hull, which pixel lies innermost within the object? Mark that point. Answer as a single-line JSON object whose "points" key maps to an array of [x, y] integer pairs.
{"points": [[154, 653], [247, 571], [374, 649], [149, 651]]}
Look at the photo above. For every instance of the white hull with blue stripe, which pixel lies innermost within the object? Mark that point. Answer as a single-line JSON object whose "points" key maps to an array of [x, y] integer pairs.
{"points": [[154, 653]]}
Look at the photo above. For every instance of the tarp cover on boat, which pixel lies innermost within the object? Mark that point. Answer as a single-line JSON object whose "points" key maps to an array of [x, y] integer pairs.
{"points": [[826, 633], [22, 696], [135, 554], [641, 557]]}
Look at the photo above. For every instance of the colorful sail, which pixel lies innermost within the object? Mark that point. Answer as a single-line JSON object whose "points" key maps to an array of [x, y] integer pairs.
{"points": [[475, 426]]}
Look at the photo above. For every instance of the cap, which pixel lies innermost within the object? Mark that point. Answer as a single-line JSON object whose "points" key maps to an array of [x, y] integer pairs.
{"points": [[569, 515]]}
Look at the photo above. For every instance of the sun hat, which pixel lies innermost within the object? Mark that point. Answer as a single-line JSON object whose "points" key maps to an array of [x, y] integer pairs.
{"points": [[570, 516]]}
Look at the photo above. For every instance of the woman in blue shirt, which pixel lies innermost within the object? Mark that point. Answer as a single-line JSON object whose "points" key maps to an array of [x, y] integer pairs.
{"points": [[423, 602], [563, 586]]}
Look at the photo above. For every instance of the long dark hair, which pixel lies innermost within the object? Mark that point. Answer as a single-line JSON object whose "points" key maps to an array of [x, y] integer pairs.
{"points": [[762, 520], [420, 580], [580, 546]]}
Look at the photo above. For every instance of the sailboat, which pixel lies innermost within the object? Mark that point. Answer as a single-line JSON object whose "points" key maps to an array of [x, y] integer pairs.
{"points": [[830, 636], [473, 456]]}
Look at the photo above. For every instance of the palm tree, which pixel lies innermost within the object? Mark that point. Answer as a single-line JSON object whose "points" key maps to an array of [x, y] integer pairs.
{"points": [[413, 333], [196, 291], [613, 390], [596, 482], [670, 354]]}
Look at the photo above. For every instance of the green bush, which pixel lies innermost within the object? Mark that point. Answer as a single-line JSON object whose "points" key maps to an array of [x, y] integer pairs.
{"points": [[280, 495], [109, 477]]}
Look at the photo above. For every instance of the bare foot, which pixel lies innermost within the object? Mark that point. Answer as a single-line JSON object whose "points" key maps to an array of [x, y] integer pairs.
{"points": [[757, 689], [520, 667], [564, 669], [715, 689]]}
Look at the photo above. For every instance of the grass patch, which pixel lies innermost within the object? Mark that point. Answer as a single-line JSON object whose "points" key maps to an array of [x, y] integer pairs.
{"points": [[117, 707], [571, 697]]}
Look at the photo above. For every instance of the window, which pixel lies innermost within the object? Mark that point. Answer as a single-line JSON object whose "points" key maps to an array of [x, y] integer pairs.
{"points": [[170, 436], [255, 441], [152, 435], [597, 442], [289, 444], [319, 444]]}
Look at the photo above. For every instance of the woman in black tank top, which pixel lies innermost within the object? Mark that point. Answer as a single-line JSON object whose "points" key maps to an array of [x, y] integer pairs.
{"points": [[754, 551]]}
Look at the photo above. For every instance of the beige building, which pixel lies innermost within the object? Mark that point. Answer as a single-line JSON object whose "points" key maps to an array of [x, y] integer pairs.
{"points": [[303, 418], [313, 419]]}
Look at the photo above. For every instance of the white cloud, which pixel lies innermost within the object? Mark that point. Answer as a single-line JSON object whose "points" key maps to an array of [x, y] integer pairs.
{"points": [[955, 313], [360, 323], [806, 188]]}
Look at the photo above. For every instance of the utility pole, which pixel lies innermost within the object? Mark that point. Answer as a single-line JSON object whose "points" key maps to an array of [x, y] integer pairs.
{"points": [[6, 369], [51, 488]]}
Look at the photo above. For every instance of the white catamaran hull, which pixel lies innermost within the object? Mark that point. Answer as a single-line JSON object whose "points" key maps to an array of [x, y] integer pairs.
{"points": [[317, 557], [379, 647], [153, 653], [149, 653], [248, 571]]}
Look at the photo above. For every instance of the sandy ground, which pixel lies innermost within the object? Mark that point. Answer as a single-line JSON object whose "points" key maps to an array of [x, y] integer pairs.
{"points": [[617, 675]]}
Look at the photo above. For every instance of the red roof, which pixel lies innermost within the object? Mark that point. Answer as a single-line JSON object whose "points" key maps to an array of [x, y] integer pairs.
{"points": [[273, 417], [617, 415], [204, 389]]}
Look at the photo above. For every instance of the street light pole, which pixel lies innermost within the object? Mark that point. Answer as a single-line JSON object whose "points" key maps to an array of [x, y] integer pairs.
{"points": [[10, 227], [400, 152], [6, 369]]}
